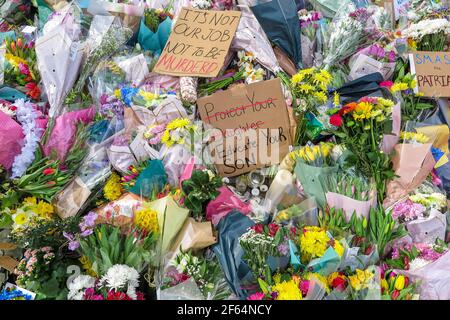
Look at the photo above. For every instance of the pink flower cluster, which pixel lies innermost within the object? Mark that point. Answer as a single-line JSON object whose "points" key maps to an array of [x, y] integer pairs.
{"points": [[408, 210]]}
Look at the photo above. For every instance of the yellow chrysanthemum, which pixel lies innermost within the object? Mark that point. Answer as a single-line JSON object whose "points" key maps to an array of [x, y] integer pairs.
{"points": [[413, 84], [306, 88], [113, 188], [297, 78], [337, 246], [418, 137], [321, 96], [178, 123], [44, 210], [117, 93], [362, 111], [30, 201], [313, 243], [287, 290], [400, 86], [147, 219], [386, 102]]}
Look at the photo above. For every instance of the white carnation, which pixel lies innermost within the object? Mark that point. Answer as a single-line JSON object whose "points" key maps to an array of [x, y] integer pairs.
{"points": [[119, 277], [77, 286]]}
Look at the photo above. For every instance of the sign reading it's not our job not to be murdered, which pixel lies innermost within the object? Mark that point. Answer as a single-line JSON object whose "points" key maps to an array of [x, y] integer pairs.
{"points": [[257, 109], [432, 70], [198, 43]]}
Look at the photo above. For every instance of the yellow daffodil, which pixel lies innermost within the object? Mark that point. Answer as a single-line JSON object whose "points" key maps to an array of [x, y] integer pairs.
{"points": [[147, 219]]}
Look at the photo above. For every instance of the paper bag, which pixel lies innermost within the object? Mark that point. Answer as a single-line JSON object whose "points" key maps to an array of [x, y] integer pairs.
{"points": [[349, 205]]}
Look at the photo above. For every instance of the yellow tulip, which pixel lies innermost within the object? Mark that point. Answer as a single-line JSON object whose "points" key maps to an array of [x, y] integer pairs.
{"points": [[399, 282]]}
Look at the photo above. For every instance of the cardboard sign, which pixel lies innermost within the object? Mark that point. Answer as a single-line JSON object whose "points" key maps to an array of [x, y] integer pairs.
{"points": [[259, 109], [198, 43], [432, 70]]}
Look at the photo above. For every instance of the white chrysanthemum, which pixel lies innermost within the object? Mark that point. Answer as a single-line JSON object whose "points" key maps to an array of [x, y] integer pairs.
{"points": [[428, 26], [27, 116], [119, 277], [418, 263], [77, 286]]}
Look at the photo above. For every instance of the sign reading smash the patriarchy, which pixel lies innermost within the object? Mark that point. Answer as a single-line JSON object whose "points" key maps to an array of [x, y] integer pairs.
{"points": [[198, 43], [252, 122], [432, 70]]}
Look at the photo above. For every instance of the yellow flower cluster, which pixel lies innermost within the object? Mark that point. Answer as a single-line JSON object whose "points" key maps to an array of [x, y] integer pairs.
{"points": [[361, 279], [147, 219], [314, 241], [412, 136], [312, 84], [287, 290], [377, 109], [43, 209], [113, 188], [176, 131], [87, 266], [148, 96], [310, 154]]}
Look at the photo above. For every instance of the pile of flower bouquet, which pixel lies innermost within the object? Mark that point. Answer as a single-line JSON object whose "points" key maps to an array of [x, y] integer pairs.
{"points": [[106, 192]]}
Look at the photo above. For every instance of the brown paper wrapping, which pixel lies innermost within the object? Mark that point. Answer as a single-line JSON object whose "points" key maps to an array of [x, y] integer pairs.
{"points": [[412, 163], [285, 63], [71, 198], [131, 120], [7, 262], [193, 235]]}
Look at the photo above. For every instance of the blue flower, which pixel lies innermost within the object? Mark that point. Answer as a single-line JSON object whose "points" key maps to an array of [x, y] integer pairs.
{"points": [[127, 94]]}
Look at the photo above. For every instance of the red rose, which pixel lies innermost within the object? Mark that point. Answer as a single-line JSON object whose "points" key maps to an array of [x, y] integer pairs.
{"points": [[338, 283], [273, 229], [258, 228], [336, 120], [293, 230]]}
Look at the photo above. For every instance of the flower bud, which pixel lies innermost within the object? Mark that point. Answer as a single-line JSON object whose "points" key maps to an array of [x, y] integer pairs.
{"points": [[400, 282]]}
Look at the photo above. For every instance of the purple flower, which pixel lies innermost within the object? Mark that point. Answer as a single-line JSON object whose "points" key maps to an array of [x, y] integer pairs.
{"points": [[89, 219], [408, 210], [391, 56], [283, 249], [86, 233], [73, 243]]}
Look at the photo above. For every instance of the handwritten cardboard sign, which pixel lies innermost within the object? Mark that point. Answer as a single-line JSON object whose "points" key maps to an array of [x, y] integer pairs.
{"points": [[198, 43], [432, 70], [258, 109]]}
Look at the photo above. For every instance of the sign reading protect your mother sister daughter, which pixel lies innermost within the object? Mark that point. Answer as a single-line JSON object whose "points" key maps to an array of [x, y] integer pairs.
{"points": [[253, 126], [198, 43]]}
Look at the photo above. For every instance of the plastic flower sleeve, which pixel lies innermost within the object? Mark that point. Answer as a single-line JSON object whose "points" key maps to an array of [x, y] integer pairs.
{"points": [[151, 180], [349, 205], [316, 290], [354, 259], [280, 23], [11, 135], [59, 53], [129, 14], [304, 213], [251, 37], [187, 290], [94, 169], [428, 229], [63, 133], [326, 264], [154, 41], [225, 203], [412, 163], [174, 159], [434, 278], [229, 251], [311, 179]]}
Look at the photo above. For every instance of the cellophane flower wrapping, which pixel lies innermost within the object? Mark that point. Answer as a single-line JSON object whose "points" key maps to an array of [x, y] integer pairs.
{"points": [[63, 133]]}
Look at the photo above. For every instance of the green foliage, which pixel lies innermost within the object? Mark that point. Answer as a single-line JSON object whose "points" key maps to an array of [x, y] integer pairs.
{"points": [[199, 190], [106, 246]]}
